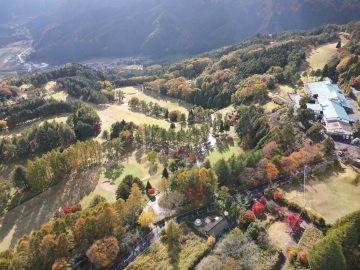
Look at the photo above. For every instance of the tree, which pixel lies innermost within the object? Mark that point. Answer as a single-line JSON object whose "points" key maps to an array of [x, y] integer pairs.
{"points": [[165, 173], [329, 146], [147, 217], [124, 188], [172, 232], [152, 155], [315, 132], [114, 171], [327, 255], [258, 208], [4, 194], [60, 264], [211, 241], [18, 177], [97, 200], [174, 116], [222, 171], [103, 252], [148, 186]]}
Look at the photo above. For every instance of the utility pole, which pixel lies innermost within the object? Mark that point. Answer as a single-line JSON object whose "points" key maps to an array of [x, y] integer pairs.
{"points": [[305, 167]]}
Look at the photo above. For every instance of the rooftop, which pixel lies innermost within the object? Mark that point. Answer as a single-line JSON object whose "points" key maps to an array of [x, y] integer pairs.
{"points": [[213, 224], [330, 100]]}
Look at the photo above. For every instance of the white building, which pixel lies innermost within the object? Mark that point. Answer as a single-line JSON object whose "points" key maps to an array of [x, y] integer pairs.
{"points": [[333, 106]]}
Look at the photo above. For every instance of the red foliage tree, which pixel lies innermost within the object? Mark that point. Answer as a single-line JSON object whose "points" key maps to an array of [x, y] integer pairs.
{"points": [[263, 200], [293, 220], [97, 127], [247, 217], [195, 193], [269, 149], [151, 191], [278, 196], [258, 208]]}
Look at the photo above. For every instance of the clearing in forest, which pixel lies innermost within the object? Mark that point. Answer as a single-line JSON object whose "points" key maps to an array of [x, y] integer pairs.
{"points": [[322, 55]]}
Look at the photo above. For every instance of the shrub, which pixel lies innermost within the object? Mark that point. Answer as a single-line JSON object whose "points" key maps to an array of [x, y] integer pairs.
{"points": [[303, 257]]}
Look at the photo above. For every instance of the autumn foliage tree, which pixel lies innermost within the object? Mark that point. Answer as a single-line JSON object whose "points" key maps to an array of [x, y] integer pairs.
{"points": [[147, 217], [258, 208], [103, 253]]}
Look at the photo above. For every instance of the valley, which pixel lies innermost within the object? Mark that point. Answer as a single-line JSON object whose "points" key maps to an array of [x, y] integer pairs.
{"points": [[196, 163]]}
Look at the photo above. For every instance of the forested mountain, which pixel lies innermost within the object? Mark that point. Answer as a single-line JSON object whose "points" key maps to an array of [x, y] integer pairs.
{"points": [[82, 29]]}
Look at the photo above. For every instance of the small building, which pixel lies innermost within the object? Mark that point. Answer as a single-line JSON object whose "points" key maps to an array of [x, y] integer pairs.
{"points": [[216, 227]]}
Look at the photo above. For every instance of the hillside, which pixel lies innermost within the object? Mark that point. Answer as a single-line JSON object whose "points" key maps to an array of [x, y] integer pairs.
{"points": [[162, 28]]}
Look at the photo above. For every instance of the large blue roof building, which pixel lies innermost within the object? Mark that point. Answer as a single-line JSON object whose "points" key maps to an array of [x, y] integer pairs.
{"points": [[332, 104]]}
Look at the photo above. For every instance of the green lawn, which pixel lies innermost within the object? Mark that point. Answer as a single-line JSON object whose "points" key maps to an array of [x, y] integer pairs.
{"points": [[224, 151], [191, 248]]}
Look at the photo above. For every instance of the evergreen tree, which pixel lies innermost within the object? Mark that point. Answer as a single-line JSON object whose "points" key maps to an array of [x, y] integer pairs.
{"points": [[222, 171], [148, 185], [165, 173], [18, 177], [327, 255]]}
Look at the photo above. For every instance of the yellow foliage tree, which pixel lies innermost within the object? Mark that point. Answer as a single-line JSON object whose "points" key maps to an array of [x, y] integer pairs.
{"points": [[147, 217]]}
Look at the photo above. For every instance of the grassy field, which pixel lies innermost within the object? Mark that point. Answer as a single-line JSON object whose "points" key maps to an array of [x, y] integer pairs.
{"points": [[32, 214], [132, 166], [321, 55], [331, 196], [128, 90], [61, 96], [110, 114], [225, 151], [158, 256]]}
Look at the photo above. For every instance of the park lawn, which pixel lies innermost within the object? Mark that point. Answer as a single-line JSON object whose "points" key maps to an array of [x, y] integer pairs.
{"points": [[191, 249], [109, 114], [107, 188], [331, 196], [225, 151], [169, 103]]}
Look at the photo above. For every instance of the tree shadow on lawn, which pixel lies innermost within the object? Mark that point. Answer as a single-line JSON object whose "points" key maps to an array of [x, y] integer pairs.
{"points": [[174, 254], [32, 214], [224, 146]]}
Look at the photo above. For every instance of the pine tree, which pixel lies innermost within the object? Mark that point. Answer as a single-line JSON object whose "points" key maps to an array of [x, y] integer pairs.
{"points": [[165, 173], [148, 186]]}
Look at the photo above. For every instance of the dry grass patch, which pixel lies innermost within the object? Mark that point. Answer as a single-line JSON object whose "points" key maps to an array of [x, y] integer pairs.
{"points": [[331, 196], [279, 234]]}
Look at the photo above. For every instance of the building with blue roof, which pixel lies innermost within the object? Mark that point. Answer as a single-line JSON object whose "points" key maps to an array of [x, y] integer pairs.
{"points": [[332, 105]]}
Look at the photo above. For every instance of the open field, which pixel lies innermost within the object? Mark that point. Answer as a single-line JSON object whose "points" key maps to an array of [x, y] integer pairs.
{"points": [[190, 248], [322, 55], [225, 151], [128, 90], [331, 196], [60, 96], [110, 114], [32, 214], [61, 118], [132, 166]]}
